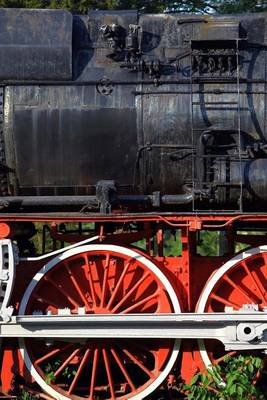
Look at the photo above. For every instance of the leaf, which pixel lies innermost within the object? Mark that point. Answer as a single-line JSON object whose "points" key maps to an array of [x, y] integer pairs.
{"points": [[227, 358], [250, 368], [258, 363], [194, 379], [204, 379], [186, 387], [240, 390], [232, 389], [231, 378]]}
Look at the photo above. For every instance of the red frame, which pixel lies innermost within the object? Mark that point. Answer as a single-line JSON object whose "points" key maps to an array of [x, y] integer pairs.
{"points": [[188, 273]]}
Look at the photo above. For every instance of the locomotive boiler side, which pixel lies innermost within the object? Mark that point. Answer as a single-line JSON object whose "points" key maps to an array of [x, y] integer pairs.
{"points": [[164, 109]]}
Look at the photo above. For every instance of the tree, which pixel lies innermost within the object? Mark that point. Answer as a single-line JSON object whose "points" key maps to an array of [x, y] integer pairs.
{"points": [[80, 6], [155, 6]]}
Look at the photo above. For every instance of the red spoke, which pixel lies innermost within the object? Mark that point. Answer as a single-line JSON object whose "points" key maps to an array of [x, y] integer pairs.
{"points": [[108, 371], [224, 301], [238, 288], [94, 370], [140, 303], [62, 290], [265, 261], [77, 286], [135, 271], [91, 283], [118, 284], [131, 291], [66, 362], [105, 280], [257, 284], [137, 362], [52, 353], [96, 276], [79, 371], [123, 369]]}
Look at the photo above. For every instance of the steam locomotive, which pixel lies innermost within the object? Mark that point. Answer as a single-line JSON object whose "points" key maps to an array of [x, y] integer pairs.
{"points": [[125, 140]]}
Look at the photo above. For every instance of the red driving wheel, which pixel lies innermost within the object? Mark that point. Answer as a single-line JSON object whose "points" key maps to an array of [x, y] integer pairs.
{"points": [[99, 279], [240, 282]]}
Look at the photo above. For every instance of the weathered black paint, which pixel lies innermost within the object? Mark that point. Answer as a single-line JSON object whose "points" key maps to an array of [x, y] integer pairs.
{"points": [[35, 45], [172, 115]]}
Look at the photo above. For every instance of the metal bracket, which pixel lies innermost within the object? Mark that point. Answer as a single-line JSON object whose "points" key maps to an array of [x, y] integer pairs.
{"points": [[8, 261], [114, 34], [106, 194]]}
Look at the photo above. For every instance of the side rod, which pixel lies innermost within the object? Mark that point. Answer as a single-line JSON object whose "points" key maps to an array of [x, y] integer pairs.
{"points": [[236, 330]]}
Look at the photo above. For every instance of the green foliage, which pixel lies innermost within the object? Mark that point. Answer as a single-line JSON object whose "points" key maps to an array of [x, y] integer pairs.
{"points": [[24, 395], [216, 6], [81, 6], [68, 373], [233, 380], [208, 243], [50, 370], [149, 6], [172, 243], [230, 6]]}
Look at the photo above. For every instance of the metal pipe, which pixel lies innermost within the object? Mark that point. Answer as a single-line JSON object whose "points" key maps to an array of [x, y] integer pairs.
{"points": [[177, 199], [215, 92], [207, 80]]}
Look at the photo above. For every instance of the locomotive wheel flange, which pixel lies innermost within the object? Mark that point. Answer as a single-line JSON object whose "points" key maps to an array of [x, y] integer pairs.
{"points": [[99, 279], [241, 281]]}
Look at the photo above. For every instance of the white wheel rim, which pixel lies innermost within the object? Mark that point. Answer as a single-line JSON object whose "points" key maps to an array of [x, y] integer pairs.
{"points": [[211, 284], [98, 247]]}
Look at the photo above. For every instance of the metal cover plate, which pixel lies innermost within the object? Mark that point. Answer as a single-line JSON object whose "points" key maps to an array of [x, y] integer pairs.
{"points": [[35, 44]]}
